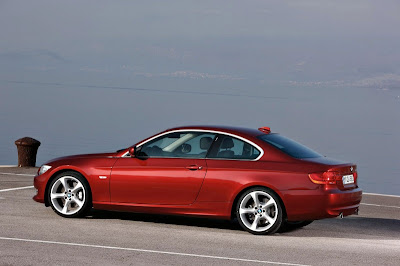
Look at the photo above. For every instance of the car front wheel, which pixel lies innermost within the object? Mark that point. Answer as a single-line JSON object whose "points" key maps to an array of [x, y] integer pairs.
{"points": [[69, 195], [259, 211]]}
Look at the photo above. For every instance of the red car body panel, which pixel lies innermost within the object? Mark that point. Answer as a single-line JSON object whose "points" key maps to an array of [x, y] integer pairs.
{"points": [[173, 186], [161, 181], [90, 166]]}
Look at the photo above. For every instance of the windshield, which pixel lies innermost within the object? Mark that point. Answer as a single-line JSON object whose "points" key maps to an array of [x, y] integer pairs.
{"points": [[289, 146]]}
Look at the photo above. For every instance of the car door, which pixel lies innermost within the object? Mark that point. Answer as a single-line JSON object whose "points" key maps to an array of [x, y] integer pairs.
{"points": [[230, 160], [169, 169]]}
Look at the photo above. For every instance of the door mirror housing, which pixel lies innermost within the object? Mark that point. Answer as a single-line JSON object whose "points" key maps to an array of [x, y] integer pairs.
{"points": [[132, 151]]}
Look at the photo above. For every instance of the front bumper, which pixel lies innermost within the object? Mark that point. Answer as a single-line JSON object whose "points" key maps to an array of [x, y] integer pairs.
{"points": [[39, 182]]}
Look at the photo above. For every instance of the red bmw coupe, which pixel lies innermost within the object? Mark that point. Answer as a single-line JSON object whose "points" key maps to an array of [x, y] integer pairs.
{"points": [[264, 179]]}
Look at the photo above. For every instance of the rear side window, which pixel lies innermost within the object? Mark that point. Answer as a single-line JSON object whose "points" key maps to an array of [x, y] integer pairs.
{"points": [[289, 146], [228, 147]]}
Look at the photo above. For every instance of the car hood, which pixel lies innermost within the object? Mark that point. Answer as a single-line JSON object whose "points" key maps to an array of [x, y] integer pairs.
{"points": [[85, 156]]}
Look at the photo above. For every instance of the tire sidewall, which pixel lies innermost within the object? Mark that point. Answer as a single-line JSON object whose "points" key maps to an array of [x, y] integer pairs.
{"points": [[279, 219], [88, 197]]}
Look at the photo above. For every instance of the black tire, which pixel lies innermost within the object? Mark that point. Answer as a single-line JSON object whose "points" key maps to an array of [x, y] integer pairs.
{"points": [[263, 219], [71, 189]]}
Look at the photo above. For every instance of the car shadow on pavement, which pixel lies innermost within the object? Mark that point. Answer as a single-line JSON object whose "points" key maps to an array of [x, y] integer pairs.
{"points": [[363, 227], [165, 219]]}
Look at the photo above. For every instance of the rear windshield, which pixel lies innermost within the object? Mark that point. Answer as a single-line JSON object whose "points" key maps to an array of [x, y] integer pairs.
{"points": [[289, 146]]}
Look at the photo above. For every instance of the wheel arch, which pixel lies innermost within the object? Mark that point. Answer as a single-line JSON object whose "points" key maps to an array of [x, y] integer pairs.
{"points": [[240, 193], [55, 174]]}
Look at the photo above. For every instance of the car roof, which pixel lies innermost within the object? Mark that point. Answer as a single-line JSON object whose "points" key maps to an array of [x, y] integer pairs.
{"points": [[253, 132]]}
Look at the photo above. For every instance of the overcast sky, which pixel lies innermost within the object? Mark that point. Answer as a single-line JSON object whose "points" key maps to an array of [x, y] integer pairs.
{"points": [[173, 43]]}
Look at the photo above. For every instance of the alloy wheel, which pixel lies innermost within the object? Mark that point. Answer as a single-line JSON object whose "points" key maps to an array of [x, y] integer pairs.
{"points": [[259, 212], [67, 195]]}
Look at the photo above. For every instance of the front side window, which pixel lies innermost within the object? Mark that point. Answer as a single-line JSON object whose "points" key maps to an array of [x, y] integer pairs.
{"points": [[189, 144], [228, 147]]}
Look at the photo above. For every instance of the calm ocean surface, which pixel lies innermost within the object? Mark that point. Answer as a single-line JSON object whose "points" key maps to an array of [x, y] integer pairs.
{"points": [[352, 124]]}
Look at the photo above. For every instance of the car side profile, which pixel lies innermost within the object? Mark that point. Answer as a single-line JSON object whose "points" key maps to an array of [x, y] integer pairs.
{"points": [[263, 179]]}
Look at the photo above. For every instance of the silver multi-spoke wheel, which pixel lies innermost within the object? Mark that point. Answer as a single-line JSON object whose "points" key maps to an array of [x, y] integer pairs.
{"points": [[68, 195], [259, 212]]}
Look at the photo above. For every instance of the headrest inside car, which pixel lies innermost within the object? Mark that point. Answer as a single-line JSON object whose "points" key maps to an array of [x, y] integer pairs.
{"points": [[227, 143], [205, 143]]}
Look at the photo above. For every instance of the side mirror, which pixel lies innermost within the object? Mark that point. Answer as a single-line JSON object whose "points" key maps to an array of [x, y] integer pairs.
{"points": [[132, 151]]}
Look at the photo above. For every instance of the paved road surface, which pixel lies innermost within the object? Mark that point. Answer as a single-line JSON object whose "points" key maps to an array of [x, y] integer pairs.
{"points": [[31, 234]]}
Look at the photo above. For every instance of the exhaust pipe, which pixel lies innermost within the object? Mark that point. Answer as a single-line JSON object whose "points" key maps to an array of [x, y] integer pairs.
{"points": [[356, 212], [341, 215]]}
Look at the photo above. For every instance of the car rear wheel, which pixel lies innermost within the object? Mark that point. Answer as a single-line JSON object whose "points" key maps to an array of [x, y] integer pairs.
{"points": [[259, 211], [69, 195]]}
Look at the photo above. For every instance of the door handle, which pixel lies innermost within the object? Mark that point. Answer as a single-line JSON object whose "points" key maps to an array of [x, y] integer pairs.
{"points": [[194, 167]]}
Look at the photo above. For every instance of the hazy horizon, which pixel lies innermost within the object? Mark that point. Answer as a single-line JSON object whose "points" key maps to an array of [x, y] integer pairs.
{"points": [[97, 76]]}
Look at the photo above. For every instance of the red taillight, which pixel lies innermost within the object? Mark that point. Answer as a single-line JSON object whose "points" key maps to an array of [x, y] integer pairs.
{"points": [[325, 178]]}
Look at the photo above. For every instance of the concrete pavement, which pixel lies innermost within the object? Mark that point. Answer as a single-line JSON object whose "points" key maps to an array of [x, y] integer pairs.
{"points": [[31, 234]]}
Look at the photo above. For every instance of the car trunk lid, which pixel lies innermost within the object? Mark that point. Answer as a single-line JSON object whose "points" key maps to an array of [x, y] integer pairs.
{"points": [[336, 173]]}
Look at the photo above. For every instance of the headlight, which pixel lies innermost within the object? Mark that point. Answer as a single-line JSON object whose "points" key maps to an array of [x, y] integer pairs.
{"points": [[43, 169]]}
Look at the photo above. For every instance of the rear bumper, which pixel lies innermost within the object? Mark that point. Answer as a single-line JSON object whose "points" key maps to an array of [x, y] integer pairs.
{"points": [[321, 203], [346, 202]]}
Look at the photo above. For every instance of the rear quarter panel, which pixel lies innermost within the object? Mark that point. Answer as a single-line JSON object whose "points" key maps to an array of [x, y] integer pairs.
{"points": [[303, 200], [226, 179]]}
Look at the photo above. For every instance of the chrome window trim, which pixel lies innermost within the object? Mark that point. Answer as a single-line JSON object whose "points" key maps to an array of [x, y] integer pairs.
{"points": [[209, 131]]}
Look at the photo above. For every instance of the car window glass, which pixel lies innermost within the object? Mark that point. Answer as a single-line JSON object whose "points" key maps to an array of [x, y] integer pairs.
{"points": [[178, 145], [233, 148], [289, 146]]}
